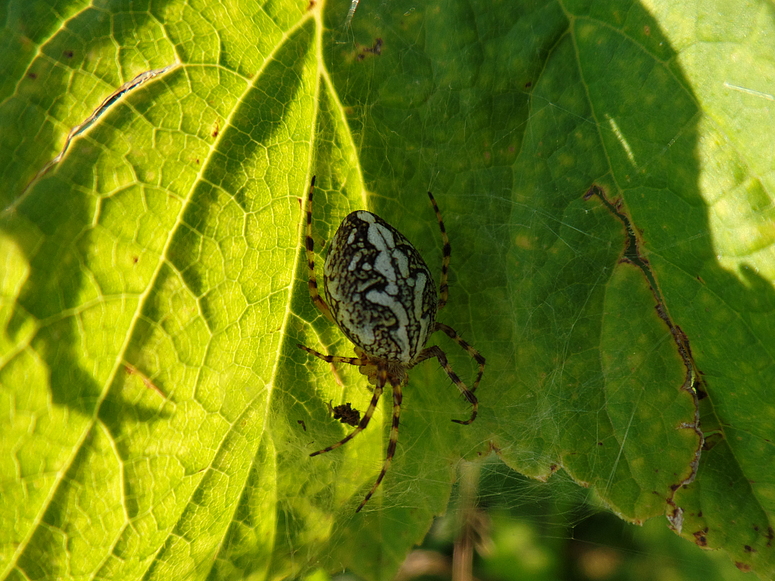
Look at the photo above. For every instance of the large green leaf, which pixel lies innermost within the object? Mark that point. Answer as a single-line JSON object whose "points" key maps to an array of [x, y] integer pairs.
{"points": [[157, 415]]}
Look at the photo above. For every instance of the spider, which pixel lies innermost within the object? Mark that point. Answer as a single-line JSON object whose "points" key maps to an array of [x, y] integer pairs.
{"points": [[384, 299]]}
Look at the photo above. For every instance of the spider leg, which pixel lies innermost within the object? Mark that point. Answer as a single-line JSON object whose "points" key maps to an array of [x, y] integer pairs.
{"points": [[381, 379], [309, 244], [358, 361], [436, 352], [397, 399], [452, 334], [446, 252]]}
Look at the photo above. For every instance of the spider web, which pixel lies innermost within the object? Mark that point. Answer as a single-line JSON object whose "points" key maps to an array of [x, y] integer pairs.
{"points": [[157, 416]]}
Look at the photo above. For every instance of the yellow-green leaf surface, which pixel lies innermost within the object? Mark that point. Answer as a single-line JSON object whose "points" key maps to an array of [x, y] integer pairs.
{"points": [[157, 416]]}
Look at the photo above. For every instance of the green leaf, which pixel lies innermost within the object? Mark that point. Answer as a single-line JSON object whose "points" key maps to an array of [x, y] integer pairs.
{"points": [[157, 416]]}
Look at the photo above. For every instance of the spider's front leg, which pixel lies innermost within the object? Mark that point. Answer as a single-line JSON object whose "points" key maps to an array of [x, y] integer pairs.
{"points": [[381, 380], [435, 351], [452, 334], [397, 399]]}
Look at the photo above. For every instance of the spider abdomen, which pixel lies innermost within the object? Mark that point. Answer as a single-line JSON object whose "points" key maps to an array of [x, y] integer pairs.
{"points": [[381, 292]]}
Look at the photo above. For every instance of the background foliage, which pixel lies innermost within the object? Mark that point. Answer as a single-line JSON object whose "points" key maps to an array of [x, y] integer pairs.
{"points": [[157, 416]]}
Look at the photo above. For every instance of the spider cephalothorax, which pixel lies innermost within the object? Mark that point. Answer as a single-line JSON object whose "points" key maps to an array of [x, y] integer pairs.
{"points": [[383, 298]]}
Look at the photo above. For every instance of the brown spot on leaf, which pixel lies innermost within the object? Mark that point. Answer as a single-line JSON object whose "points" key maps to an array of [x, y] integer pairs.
{"points": [[375, 49], [700, 538], [744, 567]]}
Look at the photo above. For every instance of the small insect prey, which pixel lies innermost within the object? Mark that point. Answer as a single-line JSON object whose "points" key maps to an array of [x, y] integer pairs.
{"points": [[346, 414], [383, 297]]}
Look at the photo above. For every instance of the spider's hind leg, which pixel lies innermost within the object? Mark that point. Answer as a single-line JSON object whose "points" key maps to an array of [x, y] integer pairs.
{"points": [[309, 245], [446, 252], [358, 361]]}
